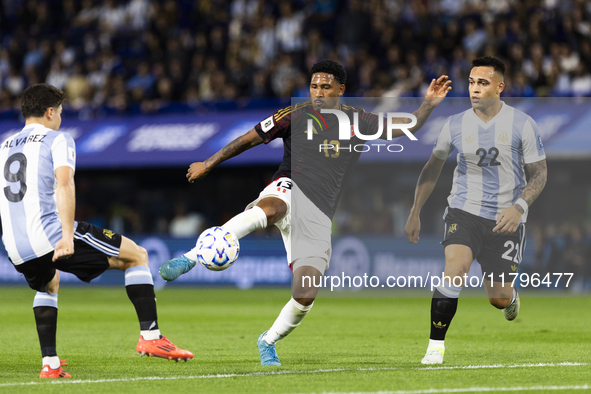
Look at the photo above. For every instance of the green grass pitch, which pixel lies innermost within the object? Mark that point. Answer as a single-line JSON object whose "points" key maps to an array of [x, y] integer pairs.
{"points": [[343, 345]]}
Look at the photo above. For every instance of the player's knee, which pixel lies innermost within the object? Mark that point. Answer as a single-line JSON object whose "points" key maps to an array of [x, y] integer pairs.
{"points": [[139, 257], [142, 256], [274, 208], [500, 303], [304, 301]]}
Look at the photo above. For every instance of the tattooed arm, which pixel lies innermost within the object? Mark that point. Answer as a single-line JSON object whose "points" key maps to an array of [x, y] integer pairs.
{"points": [[537, 180], [435, 94], [509, 220], [199, 170]]}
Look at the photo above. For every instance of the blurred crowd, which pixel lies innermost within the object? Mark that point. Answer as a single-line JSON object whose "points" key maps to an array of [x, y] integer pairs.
{"points": [[143, 54], [563, 249]]}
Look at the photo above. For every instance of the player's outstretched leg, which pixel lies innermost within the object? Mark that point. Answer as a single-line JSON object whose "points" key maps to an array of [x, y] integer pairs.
{"points": [[174, 268], [240, 225], [139, 285], [443, 308], [512, 310]]}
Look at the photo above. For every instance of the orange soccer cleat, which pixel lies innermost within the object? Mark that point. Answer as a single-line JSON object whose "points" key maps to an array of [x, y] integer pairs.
{"points": [[47, 372], [162, 348]]}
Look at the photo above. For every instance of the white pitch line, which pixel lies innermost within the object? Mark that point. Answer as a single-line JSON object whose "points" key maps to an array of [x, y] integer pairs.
{"points": [[270, 373], [472, 390]]}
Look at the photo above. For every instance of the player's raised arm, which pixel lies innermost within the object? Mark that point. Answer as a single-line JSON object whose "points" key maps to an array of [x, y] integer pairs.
{"points": [[438, 89], [249, 140], [510, 218], [66, 207], [425, 185]]}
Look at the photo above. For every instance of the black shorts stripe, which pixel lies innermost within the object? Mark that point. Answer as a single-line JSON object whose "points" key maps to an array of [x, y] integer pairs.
{"points": [[89, 239]]}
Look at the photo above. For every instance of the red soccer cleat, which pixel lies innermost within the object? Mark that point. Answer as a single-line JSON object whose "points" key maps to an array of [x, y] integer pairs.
{"points": [[162, 348], [47, 372]]}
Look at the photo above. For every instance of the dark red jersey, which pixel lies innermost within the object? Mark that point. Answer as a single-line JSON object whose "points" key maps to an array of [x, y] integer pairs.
{"points": [[322, 165]]}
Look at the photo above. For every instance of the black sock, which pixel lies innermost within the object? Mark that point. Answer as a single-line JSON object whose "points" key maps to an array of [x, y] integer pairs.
{"points": [[144, 301], [46, 320], [443, 310]]}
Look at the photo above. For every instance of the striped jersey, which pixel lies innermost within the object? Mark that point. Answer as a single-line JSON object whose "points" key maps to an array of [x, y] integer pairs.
{"points": [[31, 226], [489, 176]]}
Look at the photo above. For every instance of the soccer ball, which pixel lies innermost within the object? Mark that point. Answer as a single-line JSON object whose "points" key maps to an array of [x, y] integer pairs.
{"points": [[217, 249]]}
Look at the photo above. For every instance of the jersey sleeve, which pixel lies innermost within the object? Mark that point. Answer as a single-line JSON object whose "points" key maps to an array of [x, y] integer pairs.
{"points": [[443, 146], [275, 126], [533, 149], [63, 151]]}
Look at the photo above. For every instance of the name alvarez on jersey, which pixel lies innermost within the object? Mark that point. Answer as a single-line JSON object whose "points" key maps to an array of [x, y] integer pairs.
{"points": [[320, 173]]}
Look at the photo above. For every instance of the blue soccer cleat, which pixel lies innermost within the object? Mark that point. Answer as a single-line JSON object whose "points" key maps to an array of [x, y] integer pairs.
{"points": [[174, 268], [267, 352]]}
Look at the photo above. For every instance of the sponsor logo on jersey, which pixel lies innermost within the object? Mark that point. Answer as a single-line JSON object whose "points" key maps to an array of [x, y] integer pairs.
{"points": [[267, 124], [469, 139], [540, 145], [439, 325], [108, 233], [452, 228]]}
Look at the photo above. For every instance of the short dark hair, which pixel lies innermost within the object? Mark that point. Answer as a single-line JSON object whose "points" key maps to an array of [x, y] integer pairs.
{"points": [[331, 67], [490, 61], [37, 98]]}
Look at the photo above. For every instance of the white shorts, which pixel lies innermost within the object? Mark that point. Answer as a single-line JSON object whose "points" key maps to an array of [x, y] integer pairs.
{"points": [[305, 229]]}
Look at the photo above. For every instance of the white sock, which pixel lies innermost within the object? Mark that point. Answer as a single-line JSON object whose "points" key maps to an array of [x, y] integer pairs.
{"points": [[240, 225], [150, 335], [290, 317], [434, 344], [53, 362], [246, 222]]}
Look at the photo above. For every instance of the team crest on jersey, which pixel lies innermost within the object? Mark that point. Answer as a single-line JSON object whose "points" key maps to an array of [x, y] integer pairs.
{"points": [[503, 137], [469, 139], [514, 267], [452, 228], [108, 233]]}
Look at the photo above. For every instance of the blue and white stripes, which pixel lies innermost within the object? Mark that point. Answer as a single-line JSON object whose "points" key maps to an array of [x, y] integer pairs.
{"points": [[449, 290], [490, 174], [138, 275], [45, 299]]}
